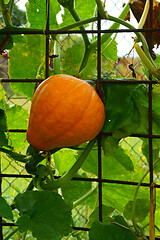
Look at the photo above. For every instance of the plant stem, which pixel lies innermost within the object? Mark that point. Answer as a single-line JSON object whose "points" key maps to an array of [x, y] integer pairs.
{"points": [[11, 234], [71, 173], [24, 235], [77, 19], [5, 13], [101, 10], [57, 69], [139, 35], [145, 59], [104, 38], [16, 156], [144, 15], [11, 7], [137, 228]]}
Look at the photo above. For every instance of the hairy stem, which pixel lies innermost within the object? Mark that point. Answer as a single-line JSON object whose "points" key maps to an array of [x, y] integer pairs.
{"points": [[73, 170], [144, 15], [5, 13], [77, 19], [145, 59], [137, 228], [101, 10], [11, 7]]}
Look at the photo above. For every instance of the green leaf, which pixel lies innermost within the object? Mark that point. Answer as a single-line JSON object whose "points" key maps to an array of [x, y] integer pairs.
{"points": [[36, 13], [72, 59], [85, 10], [111, 149], [46, 214], [75, 189], [109, 50], [142, 210], [3, 124], [123, 159], [24, 60], [106, 212], [3, 139], [110, 232], [122, 117], [64, 160], [5, 209], [17, 117]]}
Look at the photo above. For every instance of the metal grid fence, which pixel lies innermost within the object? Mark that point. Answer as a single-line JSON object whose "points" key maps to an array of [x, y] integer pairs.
{"points": [[14, 176]]}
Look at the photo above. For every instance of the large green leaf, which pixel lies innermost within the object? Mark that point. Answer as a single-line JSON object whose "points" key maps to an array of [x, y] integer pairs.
{"points": [[112, 231], [5, 209], [106, 215], [46, 214], [122, 118], [36, 13], [3, 139], [3, 124], [111, 149], [72, 59], [141, 210], [84, 9], [64, 160], [24, 60], [74, 190]]}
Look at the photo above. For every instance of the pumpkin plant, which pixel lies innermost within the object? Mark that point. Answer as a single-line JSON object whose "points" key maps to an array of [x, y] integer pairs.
{"points": [[66, 116]]}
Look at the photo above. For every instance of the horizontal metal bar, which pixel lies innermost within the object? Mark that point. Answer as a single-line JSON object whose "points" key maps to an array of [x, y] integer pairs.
{"points": [[127, 81], [48, 32], [6, 80], [141, 135], [84, 179], [15, 175]]}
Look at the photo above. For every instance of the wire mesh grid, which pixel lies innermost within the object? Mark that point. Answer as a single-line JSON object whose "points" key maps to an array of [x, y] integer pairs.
{"points": [[14, 176]]}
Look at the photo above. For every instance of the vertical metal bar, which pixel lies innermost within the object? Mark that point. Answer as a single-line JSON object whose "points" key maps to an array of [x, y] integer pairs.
{"points": [[99, 137], [47, 38], [1, 227], [151, 217]]}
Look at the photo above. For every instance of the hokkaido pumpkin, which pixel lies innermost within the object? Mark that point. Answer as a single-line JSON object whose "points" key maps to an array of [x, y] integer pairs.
{"points": [[65, 111]]}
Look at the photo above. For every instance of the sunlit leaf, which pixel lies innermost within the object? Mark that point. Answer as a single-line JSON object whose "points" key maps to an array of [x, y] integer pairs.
{"points": [[36, 13], [24, 60]]}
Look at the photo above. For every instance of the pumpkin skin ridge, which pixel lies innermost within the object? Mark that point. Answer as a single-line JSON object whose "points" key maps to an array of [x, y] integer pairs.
{"points": [[60, 99], [79, 142], [73, 125], [57, 103], [76, 123]]}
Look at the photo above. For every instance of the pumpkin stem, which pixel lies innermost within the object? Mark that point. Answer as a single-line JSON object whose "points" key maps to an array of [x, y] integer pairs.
{"points": [[53, 185]]}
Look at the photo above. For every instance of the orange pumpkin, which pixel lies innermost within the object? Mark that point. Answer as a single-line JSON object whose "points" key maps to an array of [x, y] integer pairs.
{"points": [[65, 111]]}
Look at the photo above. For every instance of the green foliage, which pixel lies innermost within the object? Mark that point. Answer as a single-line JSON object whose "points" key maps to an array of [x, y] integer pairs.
{"points": [[24, 62], [142, 210], [113, 231], [36, 13], [5, 209], [45, 214]]}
